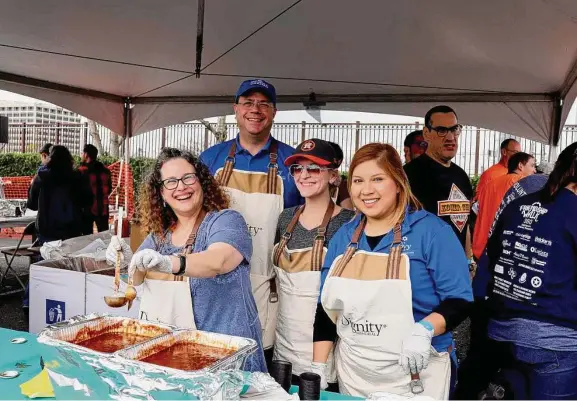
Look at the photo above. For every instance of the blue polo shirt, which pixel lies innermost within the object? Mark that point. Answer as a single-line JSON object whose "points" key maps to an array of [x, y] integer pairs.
{"points": [[439, 267], [215, 156]]}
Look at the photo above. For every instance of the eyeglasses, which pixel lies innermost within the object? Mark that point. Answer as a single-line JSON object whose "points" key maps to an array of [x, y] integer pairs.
{"points": [[513, 151], [312, 169], [443, 131], [261, 106], [187, 179]]}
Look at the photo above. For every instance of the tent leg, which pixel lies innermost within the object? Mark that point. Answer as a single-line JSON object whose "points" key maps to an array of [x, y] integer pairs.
{"points": [[127, 137], [556, 129]]}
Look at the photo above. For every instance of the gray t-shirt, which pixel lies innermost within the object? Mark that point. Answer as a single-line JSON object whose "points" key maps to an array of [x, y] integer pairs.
{"points": [[303, 238]]}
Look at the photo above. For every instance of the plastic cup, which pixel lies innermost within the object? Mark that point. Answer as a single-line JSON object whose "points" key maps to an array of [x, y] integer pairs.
{"points": [[281, 372], [309, 386]]}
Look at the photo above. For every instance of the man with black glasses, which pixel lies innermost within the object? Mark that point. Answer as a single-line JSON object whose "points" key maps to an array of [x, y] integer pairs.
{"points": [[441, 186]]}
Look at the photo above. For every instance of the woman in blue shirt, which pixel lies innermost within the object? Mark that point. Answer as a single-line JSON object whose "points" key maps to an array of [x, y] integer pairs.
{"points": [[395, 281], [192, 235], [532, 256]]}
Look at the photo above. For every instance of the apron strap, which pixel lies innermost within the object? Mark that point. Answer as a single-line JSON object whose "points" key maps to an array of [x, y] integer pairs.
{"points": [[271, 181], [394, 260], [319, 241], [271, 178], [318, 245], [351, 249], [287, 235], [189, 246], [226, 172]]}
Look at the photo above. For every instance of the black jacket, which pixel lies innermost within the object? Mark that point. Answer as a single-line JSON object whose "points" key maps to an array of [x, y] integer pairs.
{"points": [[61, 198]]}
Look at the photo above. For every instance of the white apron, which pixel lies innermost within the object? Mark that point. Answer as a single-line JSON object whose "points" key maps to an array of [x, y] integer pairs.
{"points": [[258, 197], [298, 272], [368, 295], [166, 298]]}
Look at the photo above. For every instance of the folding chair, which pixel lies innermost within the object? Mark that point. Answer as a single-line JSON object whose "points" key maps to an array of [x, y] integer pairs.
{"points": [[20, 251]]}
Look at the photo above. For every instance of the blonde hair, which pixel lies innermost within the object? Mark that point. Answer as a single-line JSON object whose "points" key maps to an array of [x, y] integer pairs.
{"points": [[389, 160]]}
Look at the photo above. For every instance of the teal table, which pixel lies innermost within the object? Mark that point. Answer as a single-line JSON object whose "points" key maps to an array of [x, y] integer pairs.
{"points": [[25, 358], [326, 395]]}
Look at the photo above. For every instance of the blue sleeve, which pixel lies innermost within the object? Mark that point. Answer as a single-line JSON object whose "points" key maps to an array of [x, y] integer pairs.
{"points": [[330, 257], [206, 159], [448, 265], [229, 227], [148, 243]]}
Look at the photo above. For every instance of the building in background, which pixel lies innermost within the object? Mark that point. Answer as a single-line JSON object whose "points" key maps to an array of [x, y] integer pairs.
{"points": [[37, 113]]}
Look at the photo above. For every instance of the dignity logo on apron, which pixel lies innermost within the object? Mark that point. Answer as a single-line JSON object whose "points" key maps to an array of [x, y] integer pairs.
{"points": [[258, 197], [298, 272], [368, 296]]}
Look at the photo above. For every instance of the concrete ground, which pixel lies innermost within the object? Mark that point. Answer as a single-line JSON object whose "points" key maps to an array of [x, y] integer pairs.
{"points": [[11, 313]]}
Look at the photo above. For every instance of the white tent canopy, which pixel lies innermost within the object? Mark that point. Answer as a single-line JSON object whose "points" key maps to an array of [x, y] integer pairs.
{"points": [[130, 65]]}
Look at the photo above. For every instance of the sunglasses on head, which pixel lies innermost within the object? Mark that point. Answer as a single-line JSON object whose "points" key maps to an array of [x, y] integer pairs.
{"points": [[312, 169]]}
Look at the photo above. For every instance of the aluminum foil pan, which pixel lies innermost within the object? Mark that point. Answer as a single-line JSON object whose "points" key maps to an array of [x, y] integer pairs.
{"points": [[243, 346], [82, 329]]}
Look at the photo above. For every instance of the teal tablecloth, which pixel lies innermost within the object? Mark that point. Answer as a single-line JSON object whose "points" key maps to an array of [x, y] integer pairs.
{"points": [[326, 395], [25, 358]]}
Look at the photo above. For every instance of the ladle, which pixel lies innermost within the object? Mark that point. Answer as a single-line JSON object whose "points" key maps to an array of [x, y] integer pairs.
{"points": [[117, 301]]}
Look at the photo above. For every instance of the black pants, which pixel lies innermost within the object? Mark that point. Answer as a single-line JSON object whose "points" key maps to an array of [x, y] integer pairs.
{"points": [[484, 358], [101, 224]]}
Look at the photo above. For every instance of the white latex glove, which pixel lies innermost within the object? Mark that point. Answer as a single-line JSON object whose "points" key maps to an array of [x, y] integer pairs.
{"points": [[320, 369], [416, 350], [115, 246], [149, 259]]}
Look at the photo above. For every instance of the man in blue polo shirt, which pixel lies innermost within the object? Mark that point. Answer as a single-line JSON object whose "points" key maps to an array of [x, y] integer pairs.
{"points": [[251, 167]]}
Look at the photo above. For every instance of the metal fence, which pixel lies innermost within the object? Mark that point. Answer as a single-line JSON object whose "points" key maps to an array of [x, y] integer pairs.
{"points": [[478, 147]]}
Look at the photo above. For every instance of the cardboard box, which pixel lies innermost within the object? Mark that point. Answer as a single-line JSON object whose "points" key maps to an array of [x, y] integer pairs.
{"points": [[61, 289]]}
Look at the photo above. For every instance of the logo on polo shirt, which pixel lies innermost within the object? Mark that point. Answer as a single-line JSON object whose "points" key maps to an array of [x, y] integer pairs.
{"points": [[457, 207]]}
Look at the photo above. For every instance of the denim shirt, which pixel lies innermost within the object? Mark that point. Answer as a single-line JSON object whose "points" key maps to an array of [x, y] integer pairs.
{"points": [[222, 304]]}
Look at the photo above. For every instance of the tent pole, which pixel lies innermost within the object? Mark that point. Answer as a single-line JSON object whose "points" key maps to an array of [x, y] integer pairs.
{"points": [[127, 136], [199, 37], [555, 129]]}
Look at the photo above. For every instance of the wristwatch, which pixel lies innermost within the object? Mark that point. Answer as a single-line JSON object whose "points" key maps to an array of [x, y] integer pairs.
{"points": [[182, 268]]}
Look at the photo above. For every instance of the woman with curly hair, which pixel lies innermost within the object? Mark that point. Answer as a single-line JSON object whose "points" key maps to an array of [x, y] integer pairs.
{"points": [[197, 253]]}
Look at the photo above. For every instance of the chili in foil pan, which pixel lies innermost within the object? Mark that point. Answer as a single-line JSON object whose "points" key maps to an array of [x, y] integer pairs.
{"points": [[185, 351], [102, 334]]}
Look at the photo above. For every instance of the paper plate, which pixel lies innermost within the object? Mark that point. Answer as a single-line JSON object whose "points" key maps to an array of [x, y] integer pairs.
{"points": [[19, 340], [9, 374]]}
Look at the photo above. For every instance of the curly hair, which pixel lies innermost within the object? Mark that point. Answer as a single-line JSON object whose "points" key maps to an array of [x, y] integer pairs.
{"points": [[156, 218]]}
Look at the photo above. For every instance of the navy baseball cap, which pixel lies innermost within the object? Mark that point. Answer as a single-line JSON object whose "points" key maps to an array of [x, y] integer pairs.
{"points": [[256, 85]]}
